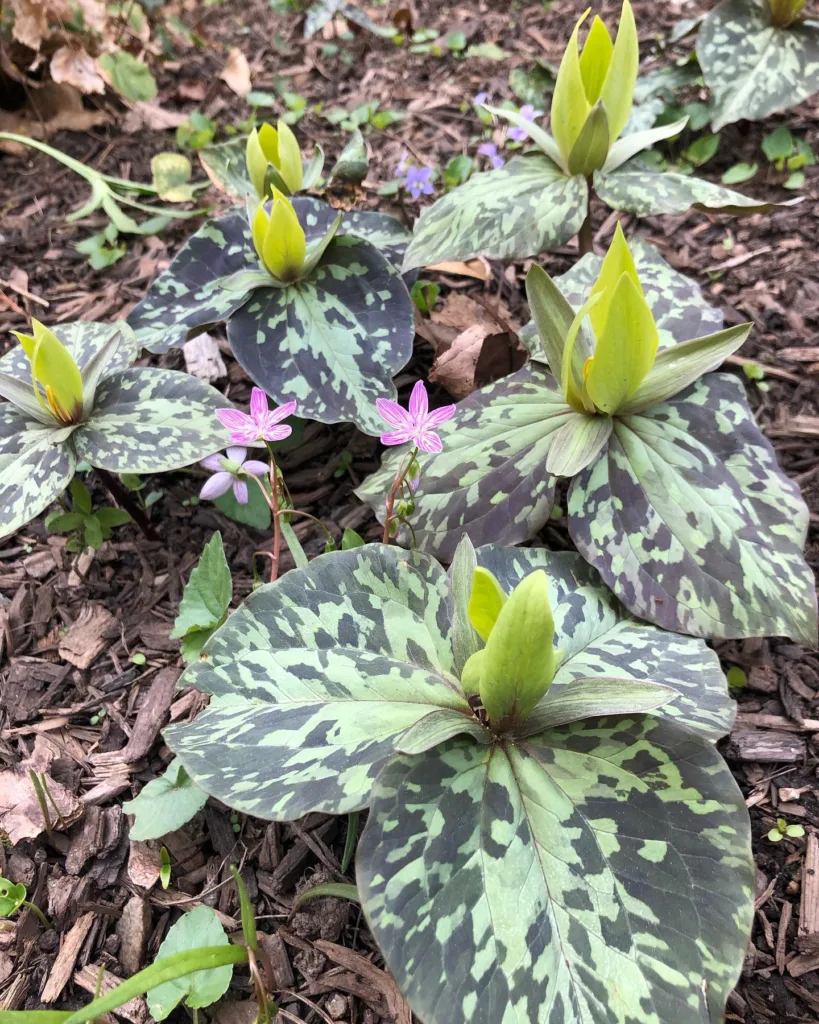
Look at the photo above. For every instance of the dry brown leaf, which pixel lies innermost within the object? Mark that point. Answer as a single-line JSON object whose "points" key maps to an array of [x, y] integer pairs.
{"points": [[236, 73], [94, 14], [76, 67], [152, 117], [477, 268], [55, 107], [454, 369], [20, 813], [203, 358], [30, 23]]}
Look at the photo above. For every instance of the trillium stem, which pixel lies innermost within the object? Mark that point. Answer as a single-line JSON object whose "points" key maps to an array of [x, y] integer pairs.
{"points": [[123, 497], [397, 484], [585, 236]]}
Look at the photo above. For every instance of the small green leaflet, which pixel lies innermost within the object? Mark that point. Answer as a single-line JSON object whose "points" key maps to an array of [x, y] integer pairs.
{"points": [[205, 600], [199, 927], [165, 804], [12, 897]]}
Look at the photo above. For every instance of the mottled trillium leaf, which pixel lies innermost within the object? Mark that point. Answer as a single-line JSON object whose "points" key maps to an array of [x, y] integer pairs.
{"points": [[36, 466], [600, 871], [386, 233], [640, 190], [691, 522], [190, 294], [85, 342], [333, 341], [600, 640], [526, 207], [226, 166], [151, 421], [315, 679], [489, 481], [752, 68], [577, 443]]}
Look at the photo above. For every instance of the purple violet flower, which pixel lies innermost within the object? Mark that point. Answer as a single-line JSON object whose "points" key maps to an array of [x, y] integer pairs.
{"points": [[416, 425], [490, 150], [262, 424], [481, 97], [230, 470], [401, 166], [528, 113], [417, 182]]}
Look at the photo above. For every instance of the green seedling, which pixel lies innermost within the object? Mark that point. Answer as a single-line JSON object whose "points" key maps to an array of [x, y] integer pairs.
{"points": [[785, 831]]}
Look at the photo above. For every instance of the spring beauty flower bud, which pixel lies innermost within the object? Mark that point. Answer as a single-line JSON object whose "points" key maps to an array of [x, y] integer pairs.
{"points": [[625, 337], [516, 667], [55, 376], [785, 12], [594, 91], [274, 152], [279, 239]]}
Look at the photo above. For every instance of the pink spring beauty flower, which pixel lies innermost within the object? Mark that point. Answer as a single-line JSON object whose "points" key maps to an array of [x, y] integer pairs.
{"points": [[261, 425], [417, 424], [230, 470]]}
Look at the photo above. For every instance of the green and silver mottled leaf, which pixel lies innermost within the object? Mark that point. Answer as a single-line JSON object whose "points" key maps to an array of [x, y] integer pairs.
{"points": [[151, 421], [333, 341], [600, 639], [752, 68], [36, 465], [692, 524], [526, 207], [599, 873], [640, 190], [386, 233], [489, 481], [679, 307], [85, 341], [226, 166], [189, 295], [316, 678]]}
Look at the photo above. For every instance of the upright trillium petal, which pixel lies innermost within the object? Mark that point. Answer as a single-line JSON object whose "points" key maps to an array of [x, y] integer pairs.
{"points": [[618, 261], [618, 89], [625, 350], [485, 602], [570, 107], [289, 162], [257, 159], [53, 367], [595, 59], [785, 12], [591, 148], [285, 246]]}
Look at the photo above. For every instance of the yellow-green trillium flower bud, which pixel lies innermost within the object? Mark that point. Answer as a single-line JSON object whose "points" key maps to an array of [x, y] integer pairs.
{"points": [[279, 239], [516, 668], [594, 91], [785, 12], [55, 376], [277, 148], [625, 337]]}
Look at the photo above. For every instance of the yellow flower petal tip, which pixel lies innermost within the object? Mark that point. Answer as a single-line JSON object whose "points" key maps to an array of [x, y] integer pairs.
{"points": [[56, 378]]}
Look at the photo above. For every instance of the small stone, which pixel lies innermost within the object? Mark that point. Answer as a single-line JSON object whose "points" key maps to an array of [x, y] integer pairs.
{"points": [[336, 1005]]}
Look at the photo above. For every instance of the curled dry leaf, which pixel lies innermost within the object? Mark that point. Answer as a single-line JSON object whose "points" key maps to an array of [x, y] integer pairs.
{"points": [[76, 67], [20, 813], [30, 23], [236, 73]]}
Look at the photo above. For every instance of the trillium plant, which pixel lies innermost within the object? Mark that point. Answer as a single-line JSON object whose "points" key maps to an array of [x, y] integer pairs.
{"points": [[315, 308], [72, 395], [552, 834], [275, 164], [675, 498], [758, 57], [538, 201]]}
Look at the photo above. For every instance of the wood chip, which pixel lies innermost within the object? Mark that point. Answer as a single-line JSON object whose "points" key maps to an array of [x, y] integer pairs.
{"points": [[798, 990], [396, 1004], [808, 934], [64, 964], [144, 864], [782, 936], [133, 929], [802, 964], [85, 639], [273, 945], [88, 978], [151, 715], [766, 746], [203, 358]]}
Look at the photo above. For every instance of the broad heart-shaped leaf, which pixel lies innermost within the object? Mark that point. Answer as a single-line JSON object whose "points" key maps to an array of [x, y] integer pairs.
{"points": [[189, 295], [84, 341], [526, 207], [691, 522], [677, 302], [165, 804], [316, 678], [638, 189], [332, 341], [752, 68], [226, 166], [599, 873], [199, 927], [151, 421], [36, 465], [489, 481], [600, 639]]}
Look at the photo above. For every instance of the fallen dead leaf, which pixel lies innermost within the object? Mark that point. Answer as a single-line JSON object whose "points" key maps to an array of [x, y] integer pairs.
{"points": [[454, 368], [236, 73], [30, 23], [21, 815], [477, 268], [203, 358], [152, 117], [55, 107], [76, 67]]}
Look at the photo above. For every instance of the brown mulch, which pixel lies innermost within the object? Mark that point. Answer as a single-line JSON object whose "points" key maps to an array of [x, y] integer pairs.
{"points": [[76, 705]]}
